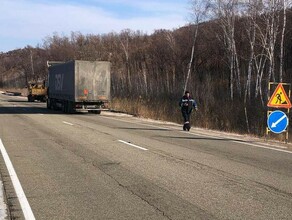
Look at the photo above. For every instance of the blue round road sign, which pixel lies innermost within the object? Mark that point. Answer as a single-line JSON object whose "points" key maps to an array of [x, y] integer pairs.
{"points": [[277, 121]]}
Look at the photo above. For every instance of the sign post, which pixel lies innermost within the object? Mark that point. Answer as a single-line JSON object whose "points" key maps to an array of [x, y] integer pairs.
{"points": [[277, 121]]}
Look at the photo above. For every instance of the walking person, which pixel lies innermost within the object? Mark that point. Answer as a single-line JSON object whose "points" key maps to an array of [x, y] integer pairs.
{"points": [[187, 103]]}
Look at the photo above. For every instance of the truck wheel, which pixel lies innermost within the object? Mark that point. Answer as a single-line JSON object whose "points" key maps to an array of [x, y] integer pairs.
{"points": [[70, 107], [29, 98], [49, 104], [97, 112], [54, 104], [64, 107]]}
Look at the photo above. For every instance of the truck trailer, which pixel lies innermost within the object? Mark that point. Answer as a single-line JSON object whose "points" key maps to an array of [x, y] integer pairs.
{"points": [[79, 86]]}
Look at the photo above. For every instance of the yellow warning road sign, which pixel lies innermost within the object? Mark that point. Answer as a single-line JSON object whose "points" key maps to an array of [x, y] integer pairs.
{"points": [[279, 98]]}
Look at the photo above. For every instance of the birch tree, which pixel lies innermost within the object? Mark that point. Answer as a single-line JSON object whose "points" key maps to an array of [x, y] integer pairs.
{"points": [[273, 27], [251, 14], [285, 5], [199, 9], [124, 40], [271, 31], [226, 13]]}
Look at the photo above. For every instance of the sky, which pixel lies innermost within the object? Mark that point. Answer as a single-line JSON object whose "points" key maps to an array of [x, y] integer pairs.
{"points": [[29, 22]]}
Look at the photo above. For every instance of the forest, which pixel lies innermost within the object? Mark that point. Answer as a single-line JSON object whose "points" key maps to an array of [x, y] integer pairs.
{"points": [[225, 57]]}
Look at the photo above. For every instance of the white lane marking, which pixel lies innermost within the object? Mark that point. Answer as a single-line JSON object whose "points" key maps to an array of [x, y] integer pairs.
{"points": [[67, 123], [133, 145], [260, 146], [3, 206], [26, 209]]}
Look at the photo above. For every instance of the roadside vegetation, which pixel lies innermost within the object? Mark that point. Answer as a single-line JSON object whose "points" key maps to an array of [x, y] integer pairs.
{"points": [[226, 58]]}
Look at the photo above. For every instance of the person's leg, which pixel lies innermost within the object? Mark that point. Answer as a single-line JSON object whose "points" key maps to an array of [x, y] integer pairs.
{"points": [[188, 122], [187, 118], [185, 115]]}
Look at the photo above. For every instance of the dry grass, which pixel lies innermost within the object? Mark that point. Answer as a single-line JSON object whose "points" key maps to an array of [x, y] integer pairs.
{"points": [[161, 110]]}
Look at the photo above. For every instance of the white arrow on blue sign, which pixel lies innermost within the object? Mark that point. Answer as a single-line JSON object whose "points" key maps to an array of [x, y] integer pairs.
{"points": [[277, 121]]}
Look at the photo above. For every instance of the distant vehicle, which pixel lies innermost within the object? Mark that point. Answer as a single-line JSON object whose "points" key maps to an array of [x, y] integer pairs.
{"points": [[37, 91], [79, 86]]}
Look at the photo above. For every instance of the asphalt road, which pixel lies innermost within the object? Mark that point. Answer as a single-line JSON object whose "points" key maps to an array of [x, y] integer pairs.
{"points": [[113, 166]]}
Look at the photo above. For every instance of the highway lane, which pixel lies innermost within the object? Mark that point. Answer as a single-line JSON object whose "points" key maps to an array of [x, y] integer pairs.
{"points": [[85, 166]]}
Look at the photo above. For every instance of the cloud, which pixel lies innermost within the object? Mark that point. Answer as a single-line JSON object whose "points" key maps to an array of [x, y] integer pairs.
{"points": [[33, 20]]}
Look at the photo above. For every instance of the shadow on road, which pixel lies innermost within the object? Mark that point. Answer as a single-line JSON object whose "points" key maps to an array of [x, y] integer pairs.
{"points": [[27, 110], [37, 109], [18, 101], [144, 129]]}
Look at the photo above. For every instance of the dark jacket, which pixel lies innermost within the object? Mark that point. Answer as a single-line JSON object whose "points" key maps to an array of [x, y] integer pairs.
{"points": [[187, 104]]}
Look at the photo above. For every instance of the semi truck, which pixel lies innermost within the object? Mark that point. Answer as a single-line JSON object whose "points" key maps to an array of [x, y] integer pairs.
{"points": [[79, 86]]}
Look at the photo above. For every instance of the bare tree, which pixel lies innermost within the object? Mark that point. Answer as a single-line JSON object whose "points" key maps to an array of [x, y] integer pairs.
{"points": [[273, 27], [251, 14], [285, 4], [269, 30], [199, 9], [226, 12], [124, 40]]}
